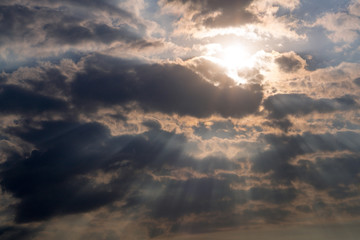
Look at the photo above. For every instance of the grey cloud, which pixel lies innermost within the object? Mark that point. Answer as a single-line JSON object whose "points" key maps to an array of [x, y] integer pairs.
{"points": [[357, 81], [14, 99], [283, 124], [52, 82], [232, 13], [276, 196], [211, 71], [281, 105], [167, 88], [229, 220], [108, 6], [340, 192], [56, 179], [303, 208], [192, 196], [54, 24], [288, 63], [76, 34], [333, 174], [207, 195], [16, 233], [219, 129], [14, 22]]}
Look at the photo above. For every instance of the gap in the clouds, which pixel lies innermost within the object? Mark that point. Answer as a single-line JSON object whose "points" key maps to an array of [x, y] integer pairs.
{"points": [[310, 10]]}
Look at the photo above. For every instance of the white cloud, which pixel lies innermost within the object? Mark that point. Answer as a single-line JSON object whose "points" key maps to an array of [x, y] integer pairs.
{"points": [[342, 26]]}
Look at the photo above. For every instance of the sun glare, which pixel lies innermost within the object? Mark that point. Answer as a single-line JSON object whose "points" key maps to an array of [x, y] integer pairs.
{"points": [[232, 58]]}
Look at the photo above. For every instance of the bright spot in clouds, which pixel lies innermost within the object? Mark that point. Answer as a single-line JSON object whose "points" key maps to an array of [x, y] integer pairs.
{"points": [[232, 57], [235, 56]]}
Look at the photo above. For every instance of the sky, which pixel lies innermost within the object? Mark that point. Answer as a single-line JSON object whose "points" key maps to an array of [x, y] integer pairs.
{"points": [[180, 119]]}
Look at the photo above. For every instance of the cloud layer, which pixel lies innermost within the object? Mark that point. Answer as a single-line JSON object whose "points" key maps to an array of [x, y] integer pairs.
{"points": [[129, 120]]}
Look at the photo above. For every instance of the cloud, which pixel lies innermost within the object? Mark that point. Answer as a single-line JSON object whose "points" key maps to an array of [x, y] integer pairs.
{"points": [[14, 99], [13, 233], [320, 172], [46, 28], [332, 173], [159, 87], [357, 81], [282, 105], [111, 128], [76, 34], [58, 178], [219, 129], [342, 26], [289, 63], [212, 13]]}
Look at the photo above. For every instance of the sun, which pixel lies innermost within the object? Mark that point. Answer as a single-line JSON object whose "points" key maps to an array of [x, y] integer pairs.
{"points": [[232, 58]]}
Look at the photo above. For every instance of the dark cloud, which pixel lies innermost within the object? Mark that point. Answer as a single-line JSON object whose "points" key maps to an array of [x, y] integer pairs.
{"points": [[288, 64], [276, 196], [57, 178], [14, 99], [303, 208], [331, 173], [211, 71], [282, 105], [48, 182], [77, 34], [323, 173], [340, 192], [167, 88], [55, 24], [152, 124], [15, 22], [206, 195], [283, 124], [220, 129], [109, 6], [52, 82], [232, 13], [16, 233], [357, 81], [192, 196]]}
